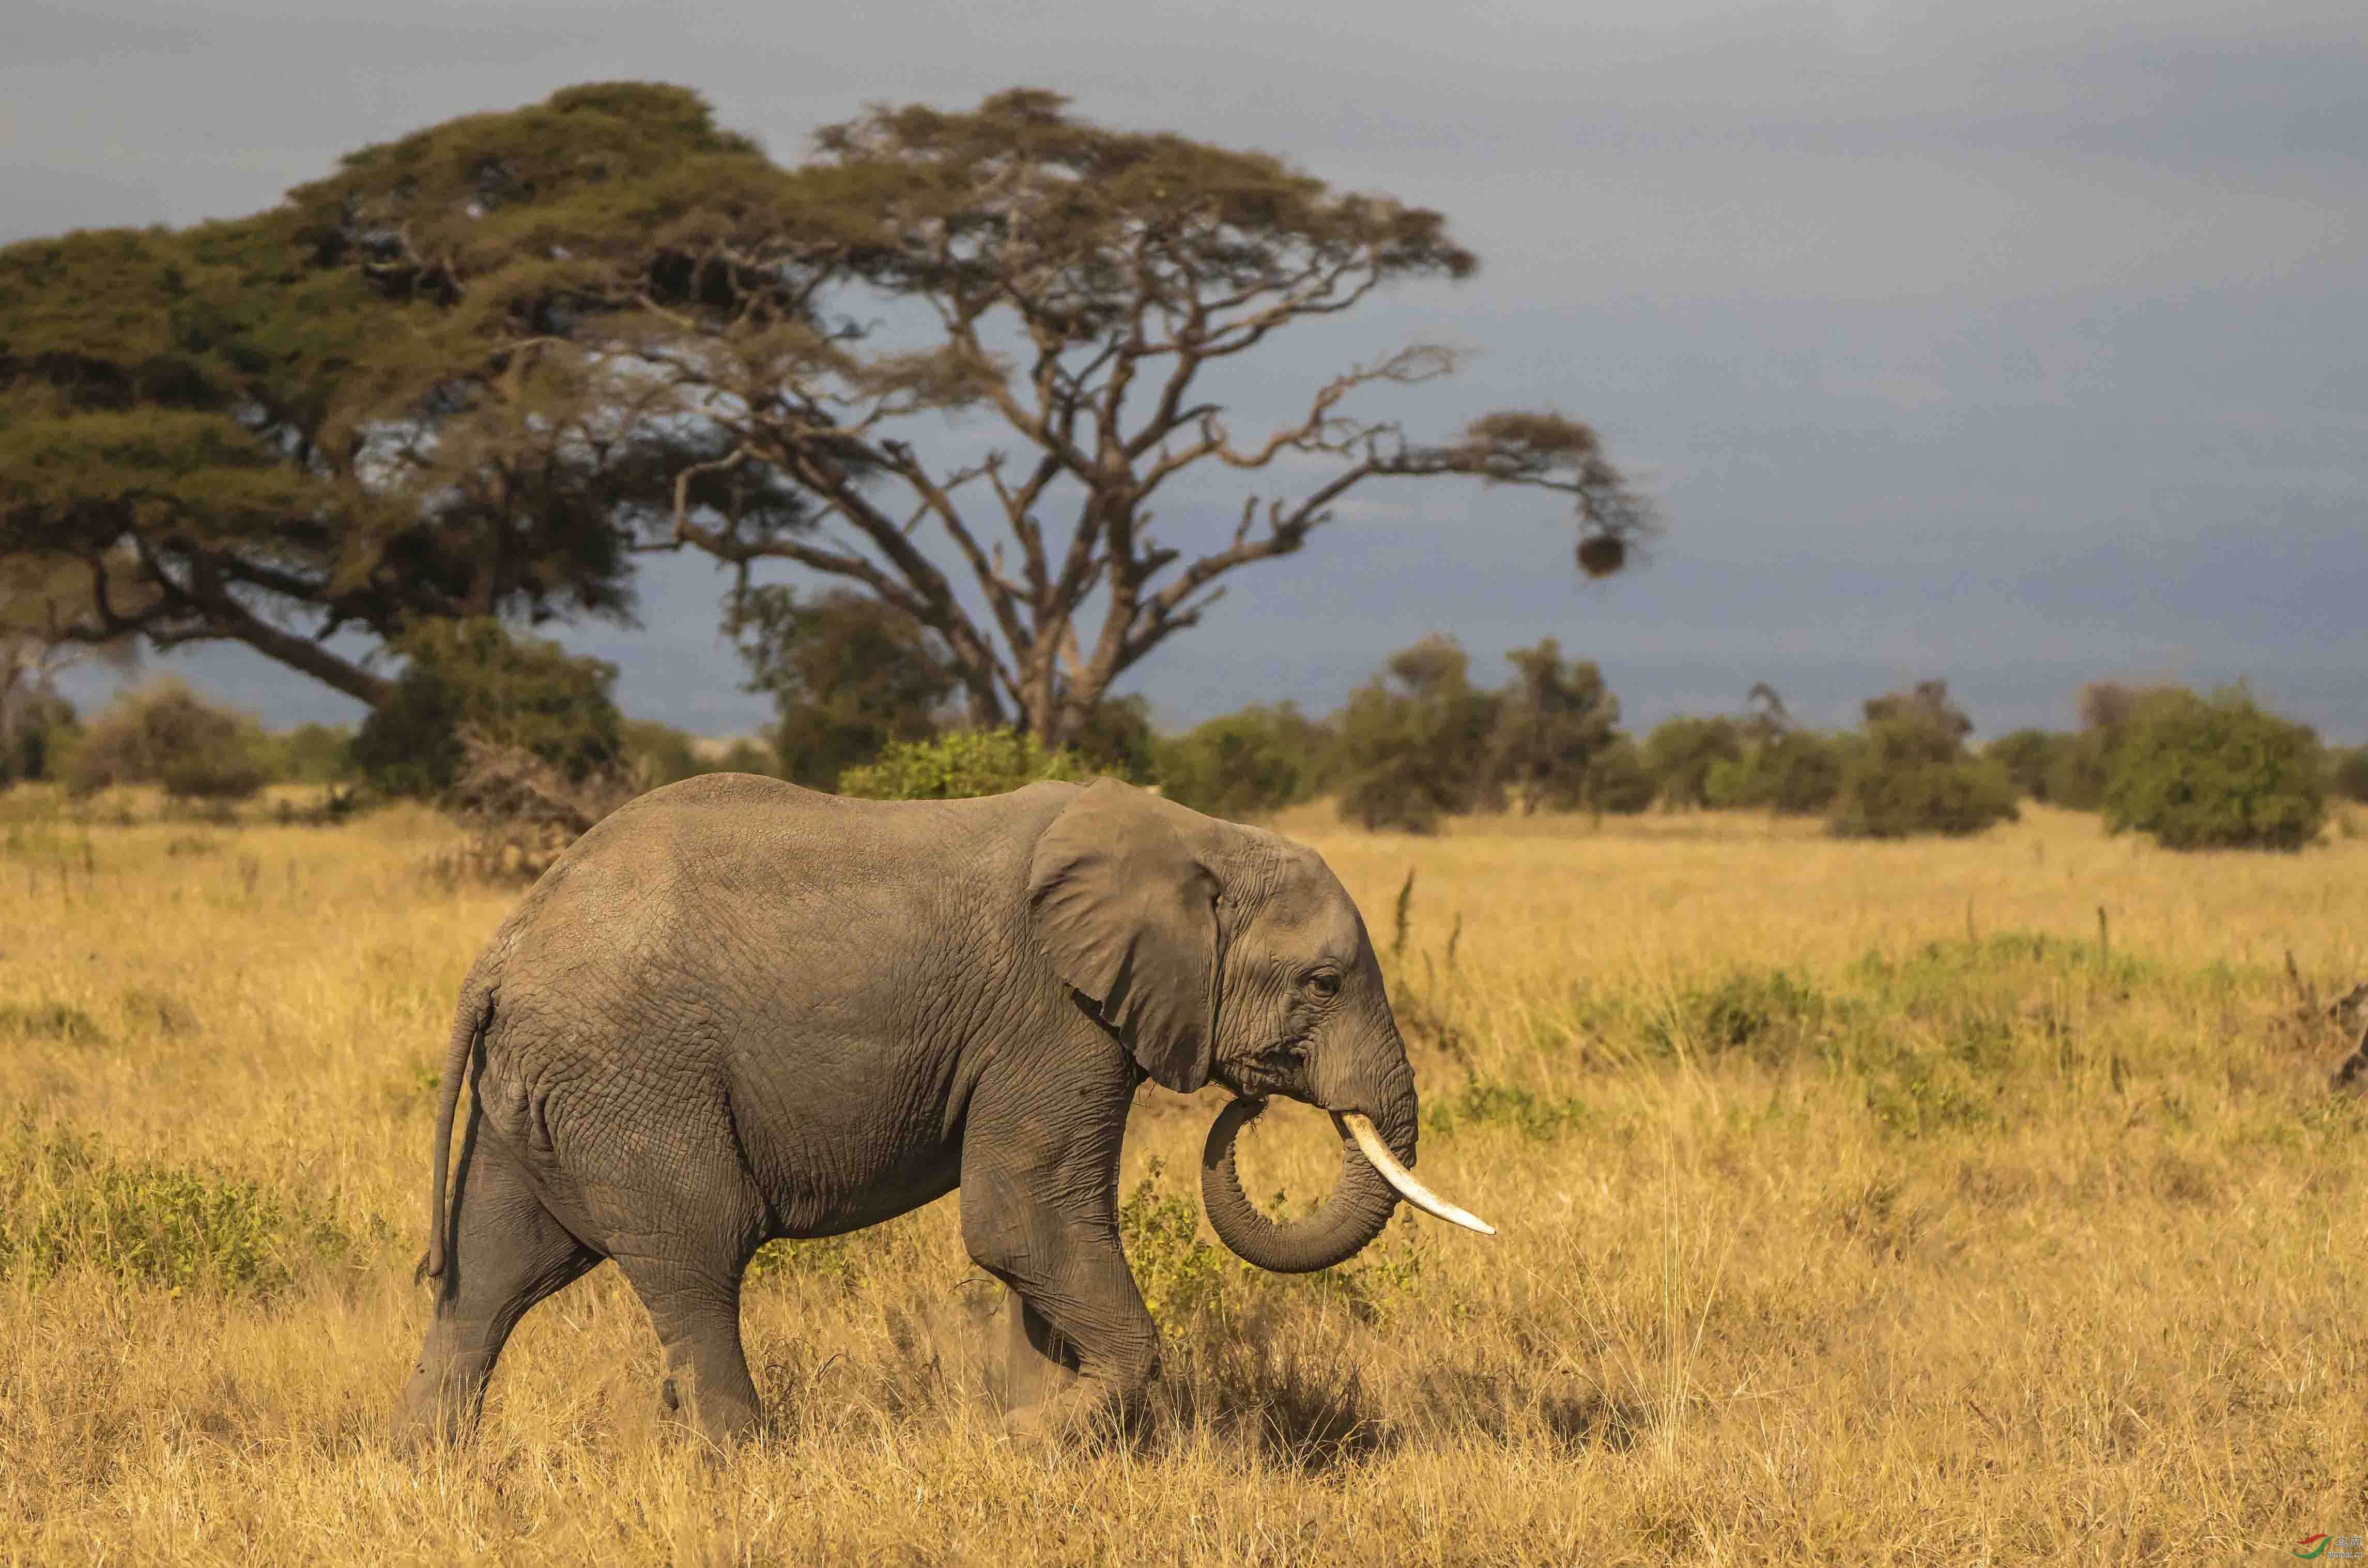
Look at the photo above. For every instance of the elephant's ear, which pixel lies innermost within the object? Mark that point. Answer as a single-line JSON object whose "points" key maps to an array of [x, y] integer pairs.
{"points": [[1128, 914]]}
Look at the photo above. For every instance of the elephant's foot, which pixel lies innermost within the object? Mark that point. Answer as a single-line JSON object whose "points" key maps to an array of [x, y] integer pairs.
{"points": [[441, 1401], [720, 1415], [1085, 1412], [1045, 1397]]}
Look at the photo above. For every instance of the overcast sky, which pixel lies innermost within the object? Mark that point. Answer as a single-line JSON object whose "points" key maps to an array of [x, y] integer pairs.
{"points": [[2013, 344]]}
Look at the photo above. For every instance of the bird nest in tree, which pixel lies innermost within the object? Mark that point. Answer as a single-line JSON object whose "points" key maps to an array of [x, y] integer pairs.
{"points": [[1599, 555]]}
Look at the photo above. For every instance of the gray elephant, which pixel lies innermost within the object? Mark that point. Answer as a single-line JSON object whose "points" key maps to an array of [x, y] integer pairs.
{"points": [[738, 1010]]}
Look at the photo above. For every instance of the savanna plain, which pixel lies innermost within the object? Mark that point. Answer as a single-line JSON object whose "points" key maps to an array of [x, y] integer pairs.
{"points": [[1975, 1201]]}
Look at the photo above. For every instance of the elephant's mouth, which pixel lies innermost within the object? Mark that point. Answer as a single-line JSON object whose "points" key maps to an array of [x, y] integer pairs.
{"points": [[1371, 1181]]}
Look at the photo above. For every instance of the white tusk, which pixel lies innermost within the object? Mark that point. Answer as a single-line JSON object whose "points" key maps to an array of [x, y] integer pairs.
{"points": [[1368, 1138]]}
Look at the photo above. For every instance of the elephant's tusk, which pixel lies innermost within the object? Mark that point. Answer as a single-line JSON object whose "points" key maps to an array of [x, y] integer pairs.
{"points": [[1368, 1138]]}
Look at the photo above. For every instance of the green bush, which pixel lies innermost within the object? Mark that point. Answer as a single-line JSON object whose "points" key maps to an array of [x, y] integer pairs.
{"points": [[1795, 773], [65, 1202], [2031, 759], [848, 676], [2349, 777], [1538, 1118], [1242, 764], [162, 732], [1181, 1276], [1552, 720], [1682, 751], [2110, 710], [1618, 780], [834, 1261], [958, 766], [1764, 1012], [313, 754], [1415, 742], [521, 691], [1116, 738], [2217, 774], [35, 727], [1913, 775]]}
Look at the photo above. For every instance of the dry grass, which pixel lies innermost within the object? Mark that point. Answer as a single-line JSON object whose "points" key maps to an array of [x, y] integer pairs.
{"points": [[1845, 1218]]}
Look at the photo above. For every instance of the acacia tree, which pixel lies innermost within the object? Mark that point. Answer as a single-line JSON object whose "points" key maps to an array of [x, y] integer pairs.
{"points": [[1081, 282], [268, 430], [462, 373], [1070, 287]]}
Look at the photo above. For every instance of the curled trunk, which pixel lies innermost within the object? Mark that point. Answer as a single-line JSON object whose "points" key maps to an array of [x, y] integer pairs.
{"points": [[1359, 1205]]}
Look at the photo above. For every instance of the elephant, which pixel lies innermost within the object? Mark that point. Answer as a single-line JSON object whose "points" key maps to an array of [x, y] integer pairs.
{"points": [[737, 1011]]}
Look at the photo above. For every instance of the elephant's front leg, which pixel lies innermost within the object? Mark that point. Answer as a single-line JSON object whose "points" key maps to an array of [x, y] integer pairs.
{"points": [[1040, 1212]]}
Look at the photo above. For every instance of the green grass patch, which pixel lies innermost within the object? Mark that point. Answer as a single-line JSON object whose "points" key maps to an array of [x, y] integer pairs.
{"points": [[1538, 1118], [67, 1203], [833, 1261], [1770, 1013], [49, 1020]]}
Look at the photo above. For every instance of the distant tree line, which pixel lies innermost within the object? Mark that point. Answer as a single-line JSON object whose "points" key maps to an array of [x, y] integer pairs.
{"points": [[867, 703]]}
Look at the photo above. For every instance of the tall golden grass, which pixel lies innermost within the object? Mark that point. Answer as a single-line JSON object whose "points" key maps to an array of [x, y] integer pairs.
{"points": [[1932, 1202]]}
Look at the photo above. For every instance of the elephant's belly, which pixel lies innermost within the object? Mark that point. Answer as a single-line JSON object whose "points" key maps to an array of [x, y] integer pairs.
{"points": [[835, 1152], [803, 1211]]}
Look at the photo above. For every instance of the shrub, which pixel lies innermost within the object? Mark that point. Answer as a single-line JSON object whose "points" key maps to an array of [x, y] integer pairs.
{"points": [[2109, 711], [660, 754], [2031, 758], [1796, 772], [1914, 776], [1244, 764], [2348, 777], [1180, 1276], [958, 766], [1618, 780], [1551, 723], [2218, 774], [1541, 1119], [848, 674], [522, 812], [313, 753], [35, 727], [522, 692], [1764, 1011], [1116, 739], [162, 732], [834, 1261], [65, 1202], [1682, 751], [1414, 741]]}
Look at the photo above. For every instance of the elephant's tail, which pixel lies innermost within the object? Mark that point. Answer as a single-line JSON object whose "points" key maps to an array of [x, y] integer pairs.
{"points": [[469, 1022]]}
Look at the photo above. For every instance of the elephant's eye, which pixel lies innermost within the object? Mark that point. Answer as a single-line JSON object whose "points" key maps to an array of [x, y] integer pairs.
{"points": [[1324, 983]]}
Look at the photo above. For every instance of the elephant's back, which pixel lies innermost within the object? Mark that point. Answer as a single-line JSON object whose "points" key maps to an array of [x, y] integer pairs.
{"points": [[752, 895]]}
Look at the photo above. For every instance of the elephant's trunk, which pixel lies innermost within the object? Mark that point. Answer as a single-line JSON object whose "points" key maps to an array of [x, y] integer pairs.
{"points": [[1360, 1206]]}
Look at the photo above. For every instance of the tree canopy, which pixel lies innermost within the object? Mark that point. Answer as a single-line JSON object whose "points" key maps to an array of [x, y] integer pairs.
{"points": [[472, 368], [271, 430]]}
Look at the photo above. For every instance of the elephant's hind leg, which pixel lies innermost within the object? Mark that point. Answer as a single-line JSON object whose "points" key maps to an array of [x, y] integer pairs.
{"points": [[504, 1252], [684, 1234], [695, 1306]]}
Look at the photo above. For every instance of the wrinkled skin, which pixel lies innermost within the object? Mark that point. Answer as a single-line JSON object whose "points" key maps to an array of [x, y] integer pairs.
{"points": [[738, 1010]]}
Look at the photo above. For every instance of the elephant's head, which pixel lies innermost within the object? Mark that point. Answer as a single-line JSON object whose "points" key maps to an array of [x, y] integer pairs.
{"points": [[1212, 950]]}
